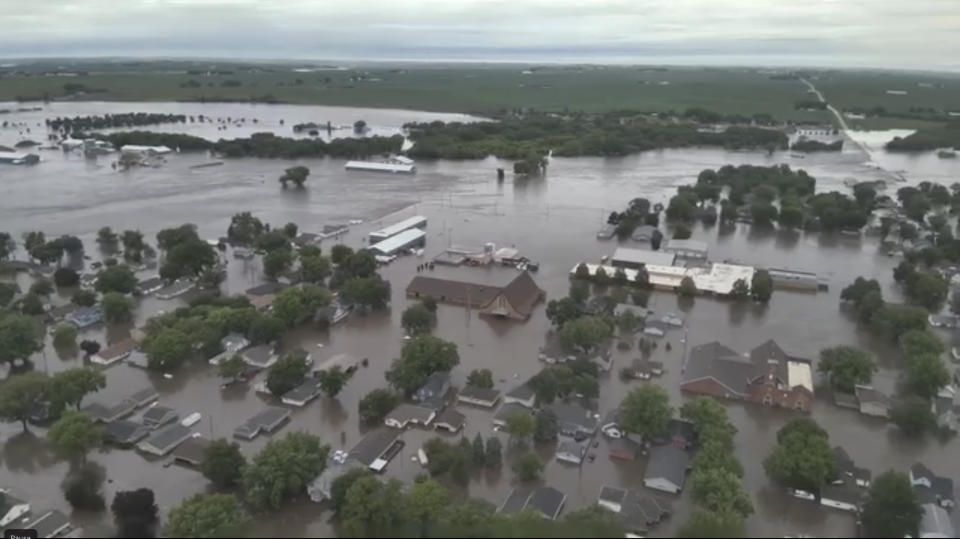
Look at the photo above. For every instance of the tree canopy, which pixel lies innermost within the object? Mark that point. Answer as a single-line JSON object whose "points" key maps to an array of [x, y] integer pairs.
{"points": [[419, 358], [74, 434], [223, 463], [646, 411], [846, 366], [802, 458], [375, 405], [584, 334], [482, 378], [20, 393], [891, 508], [19, 338], [287, 373], [207, 515], [418, 319], [283, 468], [135, 513]]}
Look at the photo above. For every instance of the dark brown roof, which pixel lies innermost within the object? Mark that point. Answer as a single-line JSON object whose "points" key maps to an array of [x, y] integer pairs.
{"points": [[523, 293], [479, 295]]}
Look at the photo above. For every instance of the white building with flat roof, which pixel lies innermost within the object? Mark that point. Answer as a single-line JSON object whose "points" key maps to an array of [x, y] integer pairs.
{"points": [[715, 279], [687, 248], [634, 258], [413, 237], [417, 221]]}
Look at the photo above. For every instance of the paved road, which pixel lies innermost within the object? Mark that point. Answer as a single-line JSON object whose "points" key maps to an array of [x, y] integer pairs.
{"points": [[836, 113]]}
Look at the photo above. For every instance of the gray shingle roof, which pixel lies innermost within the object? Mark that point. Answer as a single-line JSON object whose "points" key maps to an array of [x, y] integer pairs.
{"points": [[667, 462], [716, 361], [371, 446], [479, 393], [451, 417], [126, 432], [548, 501], [573, 415], [168, 437]]}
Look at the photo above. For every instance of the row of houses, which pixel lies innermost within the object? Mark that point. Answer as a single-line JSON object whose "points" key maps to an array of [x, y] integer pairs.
{"points": [[18, 514]]}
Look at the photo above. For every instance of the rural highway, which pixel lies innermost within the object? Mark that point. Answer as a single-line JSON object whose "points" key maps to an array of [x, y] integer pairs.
{"points": [[840, 120]]}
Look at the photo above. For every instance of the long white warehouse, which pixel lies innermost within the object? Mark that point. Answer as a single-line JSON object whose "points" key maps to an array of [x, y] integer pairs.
{"points": [[417, 221], [413, 237], [715, 279], [373, 166]]}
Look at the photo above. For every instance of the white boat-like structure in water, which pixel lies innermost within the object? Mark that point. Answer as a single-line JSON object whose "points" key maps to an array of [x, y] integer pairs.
{"points": [[397, 164]]}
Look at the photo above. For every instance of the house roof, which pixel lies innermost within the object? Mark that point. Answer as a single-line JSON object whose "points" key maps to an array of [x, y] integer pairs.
{"points": [[623, 446], [49, 524], [572, 448], [159, 414], [574, 414], [8, 500], [167, 437], [867, 394], [667, 462], [406, 412], [509, 409], [515, 501], [643, 256], [842, 493], [935, 522], [144, 396], [845, 465], [106, 413], [479, 393], [234, 340], [941, 488], [305, 391], [152, 282], [118, 349], [265, 289], [548, 501], [477, 295], [716, 361], [193, 450], [125, 431], [451, 417], [686, 245], [260, 354], [523, 293], [611, 494], [371, 446], [638, 510], [435, 382], [677, 428], [522, 392]]}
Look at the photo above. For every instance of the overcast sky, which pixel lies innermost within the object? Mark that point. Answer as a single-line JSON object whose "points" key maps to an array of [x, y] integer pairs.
{"points": [[920, 34]]}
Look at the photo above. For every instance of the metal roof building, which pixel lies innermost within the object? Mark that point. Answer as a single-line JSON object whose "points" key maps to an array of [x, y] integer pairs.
{"points": [[165, 440], [634, 258], [403, 240]]}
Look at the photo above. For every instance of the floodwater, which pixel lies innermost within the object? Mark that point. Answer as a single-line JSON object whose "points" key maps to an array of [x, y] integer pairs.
{"points": [[552, 220]]}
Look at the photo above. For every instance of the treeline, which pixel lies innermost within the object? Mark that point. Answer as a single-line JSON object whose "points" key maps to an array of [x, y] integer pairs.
{"points": [[751, 193], [129, 119], [265, 145], [947, 136], [705, 116], [816, 146], [577, 135]]}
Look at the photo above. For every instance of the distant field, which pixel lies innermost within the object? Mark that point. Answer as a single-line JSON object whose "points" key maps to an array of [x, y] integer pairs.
{"points": [[476, 89]]}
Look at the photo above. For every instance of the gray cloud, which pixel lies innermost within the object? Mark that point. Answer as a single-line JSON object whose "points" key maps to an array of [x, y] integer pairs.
{"points": [[882, 33]]}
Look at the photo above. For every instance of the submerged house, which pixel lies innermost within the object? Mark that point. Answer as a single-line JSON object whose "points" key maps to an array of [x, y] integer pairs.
{"points": [[479, 396], [83, 317], [767, 375], [545, 501], [515, 301], [666, 469]]}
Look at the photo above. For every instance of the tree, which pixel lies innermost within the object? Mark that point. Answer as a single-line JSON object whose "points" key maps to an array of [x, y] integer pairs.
{"points": [[74, 434], [846, 366], [761, 286], [584, 333], [83, 488], [107, 238], [928, 290], [419, 358], [332, 380], [646, 411], [640, 297], [582, 272], [895, 320], [133, 245], [741, 290], [294, 304], [135, 513], [719, 490], [891, 508], [493, 452], [119, 278], [188, 259], [297, 175], [709, 524], [69, 387], [710, 419], [919, 342], [627, 321], [520, 426], [41, 287], [913, 415], [579, 291], [802, 458], [276, 262], [417, 319], [289, 372], [528, 467], [600, 277], [926, 375], [482, 378], [370, 292], [687, 288], [31, 305], [7, 245], [223, 463], [763, 213], [954, 303], [681, 232], [167, 350], [84, 298], [339, 253], [19, 338], [290, 229], [374, 406], [359, 265], [7, 292], [232, 367], [314, 269], [372, 508], [359, 126], [244, 228], [89, 347], [117, 308], [545, 427], [716, 454], [342, 484], [564, 310], [65, 336], [169, 238], [424, 504], [207, 515], [265, 329], [66, 277], [477, 452], [791, 213], [283, 469]]}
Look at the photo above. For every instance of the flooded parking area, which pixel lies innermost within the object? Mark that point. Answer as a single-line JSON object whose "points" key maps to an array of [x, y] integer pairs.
{"points": [[551, 220]]}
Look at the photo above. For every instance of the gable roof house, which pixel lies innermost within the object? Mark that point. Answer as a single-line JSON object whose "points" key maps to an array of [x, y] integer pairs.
{"points": [[85, 316], [571, 451], [516, 300], [935, 522], [50, 524], [125, 432], [158, 416], [165, 440], [450, 420], [666, 468], [845, 497], [301, 395], [262, 356], [434, 389], [574, 420], [267, 420], [767, 375], [847, 471], [637, 511], [545, 501], [523, 395], [930, 487], [479, 396], [115, 352], [232, 343], [11, 508], [623, 449], [406, 413]]}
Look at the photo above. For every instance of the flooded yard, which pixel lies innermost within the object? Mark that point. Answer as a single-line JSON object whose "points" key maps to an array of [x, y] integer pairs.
{"points": [[552, 220]]}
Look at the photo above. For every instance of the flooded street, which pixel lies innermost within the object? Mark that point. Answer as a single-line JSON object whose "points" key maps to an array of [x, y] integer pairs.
{"points": [[552, 220]]}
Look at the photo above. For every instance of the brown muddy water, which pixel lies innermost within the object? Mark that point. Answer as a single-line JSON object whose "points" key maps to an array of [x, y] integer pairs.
{"points": [[552, 220]]}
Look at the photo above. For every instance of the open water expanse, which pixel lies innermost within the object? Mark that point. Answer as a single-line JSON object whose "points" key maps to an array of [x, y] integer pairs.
{"points": [[552, 220]]}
